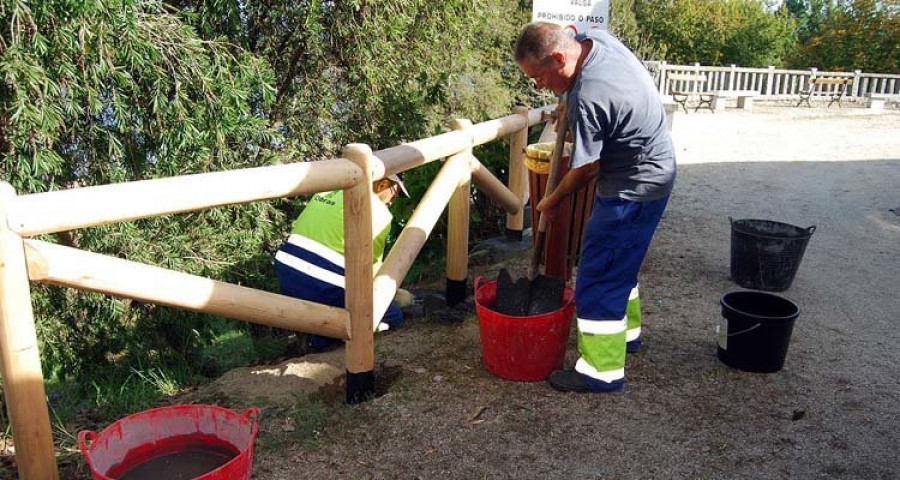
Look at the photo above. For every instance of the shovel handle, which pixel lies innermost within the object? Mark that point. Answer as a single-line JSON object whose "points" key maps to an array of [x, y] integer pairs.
{"points": [[552, 180]]}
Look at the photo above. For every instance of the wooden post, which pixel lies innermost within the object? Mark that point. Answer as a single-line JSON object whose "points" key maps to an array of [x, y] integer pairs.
{"points": [[857, 75], [770, 80], [358, 275], [458, 230], [515, 223], [23, 380]]}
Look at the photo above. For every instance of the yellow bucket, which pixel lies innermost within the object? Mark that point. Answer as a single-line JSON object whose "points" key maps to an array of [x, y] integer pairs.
{"points": [[537, 156]]}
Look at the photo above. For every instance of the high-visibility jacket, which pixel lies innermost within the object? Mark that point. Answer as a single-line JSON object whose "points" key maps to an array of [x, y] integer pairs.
{"points": [[320, 230], [310, 264]]}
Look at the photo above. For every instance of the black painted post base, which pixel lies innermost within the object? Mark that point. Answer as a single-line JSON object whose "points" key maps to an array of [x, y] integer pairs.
{"points": [[514, 235], [360, 387], [456, 291]]}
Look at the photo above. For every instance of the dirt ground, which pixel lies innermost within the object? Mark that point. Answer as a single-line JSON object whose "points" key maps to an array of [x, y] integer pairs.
{"points": [[832, 412]]}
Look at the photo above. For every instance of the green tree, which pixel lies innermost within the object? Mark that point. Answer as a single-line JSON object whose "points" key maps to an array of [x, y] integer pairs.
{"points": [[716, 32], [858, 34], [96, 92], [379, 72], [372, 71], [756, 36], [623, 23], [809, 15], [101, 92]]}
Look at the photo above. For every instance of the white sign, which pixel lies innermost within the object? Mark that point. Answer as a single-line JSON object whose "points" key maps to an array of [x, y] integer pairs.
{"points": [[575, 16]]}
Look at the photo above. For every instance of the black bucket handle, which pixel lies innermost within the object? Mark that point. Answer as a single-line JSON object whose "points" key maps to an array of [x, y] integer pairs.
{"points": [[744, 330], [810, 230]]}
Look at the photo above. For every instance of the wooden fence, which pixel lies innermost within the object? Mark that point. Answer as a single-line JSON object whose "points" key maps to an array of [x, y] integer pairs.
{"points": [[23, 260], [771, 82]]}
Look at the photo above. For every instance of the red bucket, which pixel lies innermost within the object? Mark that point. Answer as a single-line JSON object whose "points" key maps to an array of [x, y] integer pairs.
{"points": [[522, 348], [181, 442]]}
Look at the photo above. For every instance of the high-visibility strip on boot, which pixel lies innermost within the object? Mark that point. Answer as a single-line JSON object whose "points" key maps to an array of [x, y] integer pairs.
{"points": [[601, 344], [633, 315]]}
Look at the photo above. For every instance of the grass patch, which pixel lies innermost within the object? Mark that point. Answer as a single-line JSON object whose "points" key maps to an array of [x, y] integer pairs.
{"points": [[106, 395], [118, 393], [231, 348]]}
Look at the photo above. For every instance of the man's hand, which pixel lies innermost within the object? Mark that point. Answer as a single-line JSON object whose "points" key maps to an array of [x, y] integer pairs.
{"points": [[571, 182], [404, 298], [549, 206]]}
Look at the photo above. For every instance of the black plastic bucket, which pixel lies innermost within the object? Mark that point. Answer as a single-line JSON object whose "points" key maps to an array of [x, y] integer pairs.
{"points": [[765, 255], [755, 330]]}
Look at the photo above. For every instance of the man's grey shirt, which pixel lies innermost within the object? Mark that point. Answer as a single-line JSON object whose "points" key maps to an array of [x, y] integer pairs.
{"points": [[617, 117]]}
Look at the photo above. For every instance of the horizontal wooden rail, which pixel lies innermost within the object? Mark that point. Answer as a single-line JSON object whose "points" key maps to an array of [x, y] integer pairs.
{"points": [[70, 267], [413, 154], [416, 231], [495, 189], [89, 206], [75, 208]]}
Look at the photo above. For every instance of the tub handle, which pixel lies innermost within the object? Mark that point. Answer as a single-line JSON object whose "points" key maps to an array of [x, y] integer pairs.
{"points": [[478, 281], [252, 415], [745, 330], [86, 437], [811, 229]]}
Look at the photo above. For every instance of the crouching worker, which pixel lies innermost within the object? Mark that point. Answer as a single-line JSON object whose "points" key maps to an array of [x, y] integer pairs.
{"points": [[310, 264]]}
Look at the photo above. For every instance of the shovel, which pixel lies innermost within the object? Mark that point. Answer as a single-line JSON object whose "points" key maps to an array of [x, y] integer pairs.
{"points": [[552, 180]]}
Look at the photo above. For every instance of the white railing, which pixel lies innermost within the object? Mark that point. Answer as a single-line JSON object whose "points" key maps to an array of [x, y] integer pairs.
{"points": [[771, 82]]}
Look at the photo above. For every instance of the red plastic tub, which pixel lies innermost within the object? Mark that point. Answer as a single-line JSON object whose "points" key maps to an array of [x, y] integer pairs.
{"points": [[525, 349], [181, 442]]}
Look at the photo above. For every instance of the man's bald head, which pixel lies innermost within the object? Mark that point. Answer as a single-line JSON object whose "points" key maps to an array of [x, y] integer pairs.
{"points": [[538, 40]]}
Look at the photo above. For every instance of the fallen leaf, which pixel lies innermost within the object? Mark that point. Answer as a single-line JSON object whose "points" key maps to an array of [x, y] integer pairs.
{"points": [[477, 414]]}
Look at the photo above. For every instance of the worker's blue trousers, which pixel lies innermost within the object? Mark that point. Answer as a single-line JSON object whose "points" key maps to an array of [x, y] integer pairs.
{"points": [[616, 240], [302, 274]]}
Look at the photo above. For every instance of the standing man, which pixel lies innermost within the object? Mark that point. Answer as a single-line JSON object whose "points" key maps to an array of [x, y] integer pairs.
{"points": [[618, 127]]}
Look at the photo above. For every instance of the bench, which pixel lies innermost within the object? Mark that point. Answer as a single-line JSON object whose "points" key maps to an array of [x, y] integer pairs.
{"points": [[683, 86], [831, 87], [744, 98]]}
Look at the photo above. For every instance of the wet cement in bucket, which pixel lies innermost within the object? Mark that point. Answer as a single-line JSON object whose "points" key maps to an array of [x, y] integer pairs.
{"points": [[189, 460], [523, 297]]}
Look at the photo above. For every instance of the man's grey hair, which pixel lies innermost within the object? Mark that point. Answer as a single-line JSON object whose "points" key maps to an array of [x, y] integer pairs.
{"points": [[538, 40]]}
